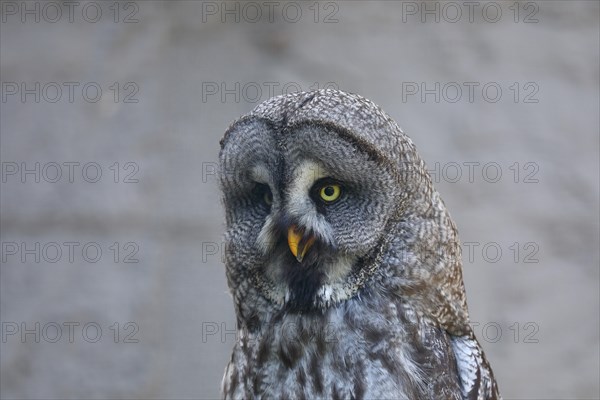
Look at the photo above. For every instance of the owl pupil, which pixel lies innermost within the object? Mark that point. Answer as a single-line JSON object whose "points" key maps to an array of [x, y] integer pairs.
{"points": [[329, 191], [268, 197]]}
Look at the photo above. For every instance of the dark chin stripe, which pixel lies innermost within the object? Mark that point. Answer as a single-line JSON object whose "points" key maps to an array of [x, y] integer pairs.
{"points": [[303, 281], [306, 278]]}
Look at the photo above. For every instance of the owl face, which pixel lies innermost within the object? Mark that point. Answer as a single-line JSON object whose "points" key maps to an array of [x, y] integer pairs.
{"points": [[307, 206]]}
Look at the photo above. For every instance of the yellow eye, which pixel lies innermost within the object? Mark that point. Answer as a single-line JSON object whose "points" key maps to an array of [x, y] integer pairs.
{"points": [[330, 192]]}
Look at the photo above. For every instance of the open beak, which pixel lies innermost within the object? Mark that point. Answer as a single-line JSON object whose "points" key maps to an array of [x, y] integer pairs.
{"points": [[299, 244]]}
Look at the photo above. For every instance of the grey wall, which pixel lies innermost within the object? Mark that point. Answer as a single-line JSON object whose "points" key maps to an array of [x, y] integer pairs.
{"points": [[174, 55]]}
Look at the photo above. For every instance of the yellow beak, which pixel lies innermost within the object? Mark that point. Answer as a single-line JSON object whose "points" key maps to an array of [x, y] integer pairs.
{"points": [[299, 245]]}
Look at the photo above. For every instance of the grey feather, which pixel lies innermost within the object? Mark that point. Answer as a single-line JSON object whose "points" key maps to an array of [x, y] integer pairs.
{"points": [[377, 307]]}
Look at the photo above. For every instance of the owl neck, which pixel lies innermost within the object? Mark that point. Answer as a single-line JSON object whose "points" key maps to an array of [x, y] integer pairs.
{"points": [[327, 295]]}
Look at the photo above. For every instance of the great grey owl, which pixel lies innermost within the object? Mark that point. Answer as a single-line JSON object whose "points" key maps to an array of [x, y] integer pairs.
{"points": [[343, 262]]}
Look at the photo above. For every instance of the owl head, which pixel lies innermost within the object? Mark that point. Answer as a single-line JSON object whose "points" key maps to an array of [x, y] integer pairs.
{"points": [[315, 186]]}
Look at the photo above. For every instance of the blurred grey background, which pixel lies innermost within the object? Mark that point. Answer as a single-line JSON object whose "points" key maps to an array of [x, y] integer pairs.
{"points": [[141, 92]]}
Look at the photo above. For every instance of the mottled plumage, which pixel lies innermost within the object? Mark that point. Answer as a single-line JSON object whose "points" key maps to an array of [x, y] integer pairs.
{"points": [[370, 302]]}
